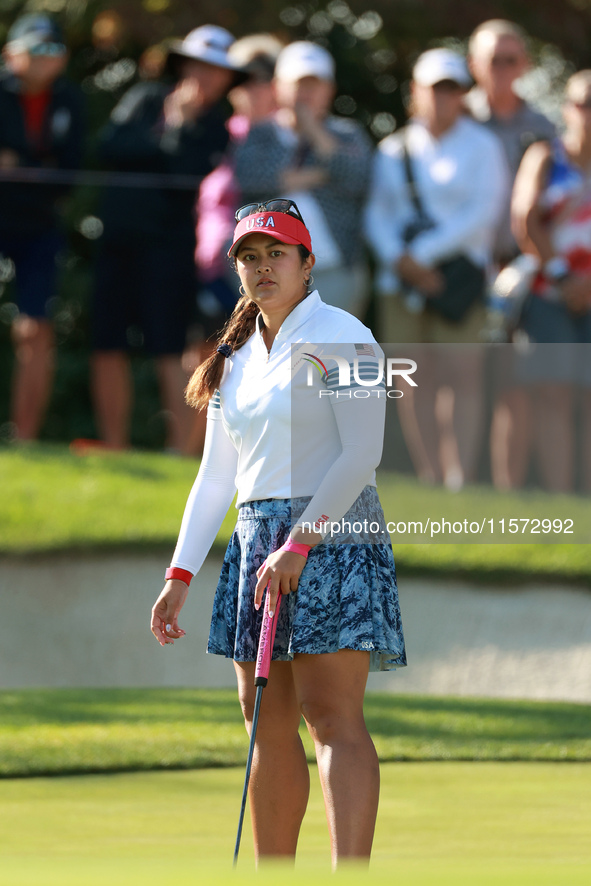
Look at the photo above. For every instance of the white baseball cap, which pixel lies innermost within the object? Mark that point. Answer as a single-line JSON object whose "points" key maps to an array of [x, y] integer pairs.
{"points": [[304, 59], [436, 65], [209, 43]]}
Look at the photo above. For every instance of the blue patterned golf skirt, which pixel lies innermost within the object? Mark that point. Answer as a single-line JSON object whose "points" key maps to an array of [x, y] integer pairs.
{"points": [[346, 599]]}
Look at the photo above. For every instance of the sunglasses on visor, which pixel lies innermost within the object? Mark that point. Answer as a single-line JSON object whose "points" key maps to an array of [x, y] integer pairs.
{"points": [[278, 204]]}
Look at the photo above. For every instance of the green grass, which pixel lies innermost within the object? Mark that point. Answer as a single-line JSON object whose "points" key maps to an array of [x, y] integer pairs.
{"points": [[466, 824], [58, 731], [53, 501], [404, 499]]}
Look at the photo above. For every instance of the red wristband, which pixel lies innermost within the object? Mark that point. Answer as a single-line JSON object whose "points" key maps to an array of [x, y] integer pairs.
{"points": [[181, 574], [296, 547]]}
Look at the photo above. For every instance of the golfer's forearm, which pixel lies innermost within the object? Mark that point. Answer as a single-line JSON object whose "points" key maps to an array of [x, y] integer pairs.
{"points": [[206, 508], [361, 428], [209, 500], [342, 485]]}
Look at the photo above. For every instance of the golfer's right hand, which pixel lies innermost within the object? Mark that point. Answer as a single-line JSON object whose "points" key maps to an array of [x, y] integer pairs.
{"points": [[166, 610], [279, 574]]}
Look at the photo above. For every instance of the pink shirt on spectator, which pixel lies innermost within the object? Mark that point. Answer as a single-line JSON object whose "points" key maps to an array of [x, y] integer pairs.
{"points": [[219, 197]]}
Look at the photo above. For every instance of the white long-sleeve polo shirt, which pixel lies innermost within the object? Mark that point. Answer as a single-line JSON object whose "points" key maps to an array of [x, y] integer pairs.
{"points": [[463, 183], [290, 422]]}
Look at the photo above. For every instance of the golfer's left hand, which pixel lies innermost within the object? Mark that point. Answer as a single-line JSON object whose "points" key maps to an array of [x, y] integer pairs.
{"points": [[166, 610], [281, 571]]}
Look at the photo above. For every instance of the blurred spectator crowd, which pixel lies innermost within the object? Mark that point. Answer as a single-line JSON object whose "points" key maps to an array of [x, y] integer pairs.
{"points": [[464, 236]]}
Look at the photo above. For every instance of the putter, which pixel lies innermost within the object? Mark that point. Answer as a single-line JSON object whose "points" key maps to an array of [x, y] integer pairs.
{"points": [[261, 676]]}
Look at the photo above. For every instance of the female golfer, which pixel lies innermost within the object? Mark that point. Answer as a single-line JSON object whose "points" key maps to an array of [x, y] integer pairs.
{"points": [[295, 424]]}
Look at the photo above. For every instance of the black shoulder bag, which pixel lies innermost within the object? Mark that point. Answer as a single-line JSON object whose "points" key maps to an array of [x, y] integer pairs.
{"points": [[464, 280]]}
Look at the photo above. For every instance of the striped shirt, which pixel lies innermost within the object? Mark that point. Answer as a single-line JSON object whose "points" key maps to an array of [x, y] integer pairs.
{"points": [[268, 151]]}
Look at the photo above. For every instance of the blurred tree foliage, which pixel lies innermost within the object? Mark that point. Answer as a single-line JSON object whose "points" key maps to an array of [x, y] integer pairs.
{"points": [[375, 43]]}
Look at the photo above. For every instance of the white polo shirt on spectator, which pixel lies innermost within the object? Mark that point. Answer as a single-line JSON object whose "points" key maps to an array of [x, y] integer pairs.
{"points": [[463, 181]]}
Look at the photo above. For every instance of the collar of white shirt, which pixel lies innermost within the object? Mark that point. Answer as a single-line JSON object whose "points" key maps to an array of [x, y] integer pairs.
{"points": [[296, 318]]}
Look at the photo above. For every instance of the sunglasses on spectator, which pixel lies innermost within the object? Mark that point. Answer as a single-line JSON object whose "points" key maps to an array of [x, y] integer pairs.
{"points": [[504, 61], [48, 49], [448, 86], [278, 204]]}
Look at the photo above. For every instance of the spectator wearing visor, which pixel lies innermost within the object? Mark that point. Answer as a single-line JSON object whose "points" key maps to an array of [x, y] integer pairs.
{"points": [[146, 266], [323, 162], [41, 128]]}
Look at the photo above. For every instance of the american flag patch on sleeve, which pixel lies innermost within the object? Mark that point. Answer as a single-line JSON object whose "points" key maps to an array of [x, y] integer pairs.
{"points": [[364, 351]]}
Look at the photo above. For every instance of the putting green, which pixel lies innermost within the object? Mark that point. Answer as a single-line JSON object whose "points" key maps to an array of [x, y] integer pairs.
{"points": [[460, 823]]}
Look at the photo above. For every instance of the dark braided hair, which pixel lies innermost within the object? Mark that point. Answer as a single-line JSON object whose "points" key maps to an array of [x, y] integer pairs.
{"points": [[236, 332]]}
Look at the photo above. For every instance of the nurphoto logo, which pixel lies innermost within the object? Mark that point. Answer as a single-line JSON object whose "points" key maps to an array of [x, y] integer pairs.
{"points": [[360, 378]]}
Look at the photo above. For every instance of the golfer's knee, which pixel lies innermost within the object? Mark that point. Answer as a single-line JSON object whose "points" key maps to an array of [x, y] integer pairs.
{"points": [[328, 724], [323, 722], [268, 721], [247, 707]]}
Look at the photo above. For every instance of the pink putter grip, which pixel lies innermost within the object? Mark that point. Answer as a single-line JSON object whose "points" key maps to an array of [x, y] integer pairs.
{"points": [[266, 640]]}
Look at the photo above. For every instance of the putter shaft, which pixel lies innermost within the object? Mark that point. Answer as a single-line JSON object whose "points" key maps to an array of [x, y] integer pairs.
{"points": [[263, 664], [255, 720]]}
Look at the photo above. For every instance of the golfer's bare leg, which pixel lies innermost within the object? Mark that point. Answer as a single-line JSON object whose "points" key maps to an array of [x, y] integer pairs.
{"points": [[33, 377], [279, 781], [330, 691]]}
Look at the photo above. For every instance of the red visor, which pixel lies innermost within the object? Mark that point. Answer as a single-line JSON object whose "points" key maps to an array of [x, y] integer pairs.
{"points": [[280, 225]]}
